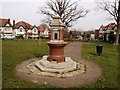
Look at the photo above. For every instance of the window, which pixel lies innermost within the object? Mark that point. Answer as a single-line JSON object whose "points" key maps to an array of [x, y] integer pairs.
{"points": [[20, 29], [34, 30], [55, 36], [7, 28]]}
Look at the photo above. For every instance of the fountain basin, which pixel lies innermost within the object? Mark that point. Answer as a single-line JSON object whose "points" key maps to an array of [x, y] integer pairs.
{"points": [[56, 51]]}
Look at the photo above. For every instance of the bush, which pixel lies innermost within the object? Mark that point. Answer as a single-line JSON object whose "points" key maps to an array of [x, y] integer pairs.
{"points": [[96, 37], [19, 37], [29, 37], [111, 38], [101, 38]]}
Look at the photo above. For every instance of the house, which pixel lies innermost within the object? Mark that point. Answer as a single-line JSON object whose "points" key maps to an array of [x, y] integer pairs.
{"points": [[44, 31], [92, 35], [33, 32], [105, 31], [96, 34], [6, 30], [111, 28], [21, 28]]}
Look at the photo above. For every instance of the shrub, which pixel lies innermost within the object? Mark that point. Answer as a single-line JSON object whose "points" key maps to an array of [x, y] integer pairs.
{"points": [[19, 37], [101, 38], [111, 38]]}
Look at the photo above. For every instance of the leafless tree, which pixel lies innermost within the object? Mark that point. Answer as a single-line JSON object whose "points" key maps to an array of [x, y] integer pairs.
{"points": [[66, 9], [113, 8]]}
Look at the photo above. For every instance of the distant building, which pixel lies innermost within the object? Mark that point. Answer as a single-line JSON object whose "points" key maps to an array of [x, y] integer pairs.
{"points": [[104, 31], [25, 29], [44, 31], [96, 33], [92, 35], [33, 32], [6, 30], [21, 28]]}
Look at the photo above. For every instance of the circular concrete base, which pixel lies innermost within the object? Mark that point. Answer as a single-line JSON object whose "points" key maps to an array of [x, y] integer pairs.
{"points": [[92, 73], [64, 69]]}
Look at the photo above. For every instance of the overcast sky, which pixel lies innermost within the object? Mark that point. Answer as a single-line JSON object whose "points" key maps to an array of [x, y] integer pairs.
{"points": [[27, 10]]}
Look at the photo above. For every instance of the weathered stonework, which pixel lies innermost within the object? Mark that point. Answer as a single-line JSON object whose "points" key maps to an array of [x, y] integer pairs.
{"points": [[65, 69]]}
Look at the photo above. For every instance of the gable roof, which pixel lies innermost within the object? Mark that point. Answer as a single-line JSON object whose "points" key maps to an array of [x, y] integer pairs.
{"points": [[111, 26], [23, 24], [33, 27], [103, 27], [41, 28], [3, 22]]}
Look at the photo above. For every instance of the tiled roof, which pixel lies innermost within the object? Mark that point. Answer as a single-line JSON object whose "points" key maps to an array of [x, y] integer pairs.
{"points": [[23, 24], [3, 22], [33, 27], [103, 27], [111, 26], [92, 32], [41, 28]]}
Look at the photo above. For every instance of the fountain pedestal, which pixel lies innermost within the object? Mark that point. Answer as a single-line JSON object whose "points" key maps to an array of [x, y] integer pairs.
{"points": [[56, 43], [56, 51]]}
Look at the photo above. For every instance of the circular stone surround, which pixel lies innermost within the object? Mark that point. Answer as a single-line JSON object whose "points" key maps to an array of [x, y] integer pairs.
{"points": [[63, 69]]}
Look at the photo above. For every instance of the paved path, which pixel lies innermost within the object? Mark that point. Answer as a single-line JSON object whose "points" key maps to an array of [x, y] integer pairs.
{"points": [[93, 71]]}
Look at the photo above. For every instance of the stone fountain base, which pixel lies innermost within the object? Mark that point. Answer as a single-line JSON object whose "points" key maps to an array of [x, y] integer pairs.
{"points": [[64, 69]]}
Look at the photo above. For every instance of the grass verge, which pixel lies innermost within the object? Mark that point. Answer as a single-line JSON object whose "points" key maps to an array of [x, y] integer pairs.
{"points": [[108, 62], [14, 52]]}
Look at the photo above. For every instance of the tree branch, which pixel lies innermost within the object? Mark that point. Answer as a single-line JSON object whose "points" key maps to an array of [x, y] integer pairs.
{"points": [[66, 9]]}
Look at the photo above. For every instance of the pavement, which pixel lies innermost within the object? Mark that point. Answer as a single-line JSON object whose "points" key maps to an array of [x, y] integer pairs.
{"points": [[73, 50]]}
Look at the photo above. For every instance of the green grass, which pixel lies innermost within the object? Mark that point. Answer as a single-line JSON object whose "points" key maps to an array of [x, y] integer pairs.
{"points": [[14, 52], [108, 62]]}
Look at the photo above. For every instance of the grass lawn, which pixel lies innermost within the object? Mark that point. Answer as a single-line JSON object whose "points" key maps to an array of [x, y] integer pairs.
{"points": [[14, 52], [108, 62]]}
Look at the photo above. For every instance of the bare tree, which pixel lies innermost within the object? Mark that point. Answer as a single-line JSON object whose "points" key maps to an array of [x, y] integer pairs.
{"points": [[66, 9], [113, 8]]}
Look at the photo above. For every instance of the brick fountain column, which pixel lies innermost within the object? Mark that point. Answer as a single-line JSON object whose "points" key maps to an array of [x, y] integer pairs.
{"points": [[56, 43]]}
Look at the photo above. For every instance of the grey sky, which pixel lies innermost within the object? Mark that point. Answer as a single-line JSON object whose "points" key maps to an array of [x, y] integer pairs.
{"points": [[27, 11]]}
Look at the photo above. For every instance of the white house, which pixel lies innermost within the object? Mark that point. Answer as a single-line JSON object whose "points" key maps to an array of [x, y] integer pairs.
{"points": [[92, 35], [104, 31], [33, 32], [21, 28], [44, 31], [6, 30]]}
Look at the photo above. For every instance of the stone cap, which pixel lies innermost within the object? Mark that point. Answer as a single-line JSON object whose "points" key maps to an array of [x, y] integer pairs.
{"points": [[57, 41], [56, 22]]}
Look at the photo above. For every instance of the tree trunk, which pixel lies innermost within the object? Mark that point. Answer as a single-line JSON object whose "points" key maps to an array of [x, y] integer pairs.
{"points": [[118, 26], [117, 35], [105, 36], [70, 38]]}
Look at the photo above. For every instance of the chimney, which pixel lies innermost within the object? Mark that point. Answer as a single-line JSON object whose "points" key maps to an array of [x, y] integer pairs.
{"points": [[9, 20], [13, 22]]}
